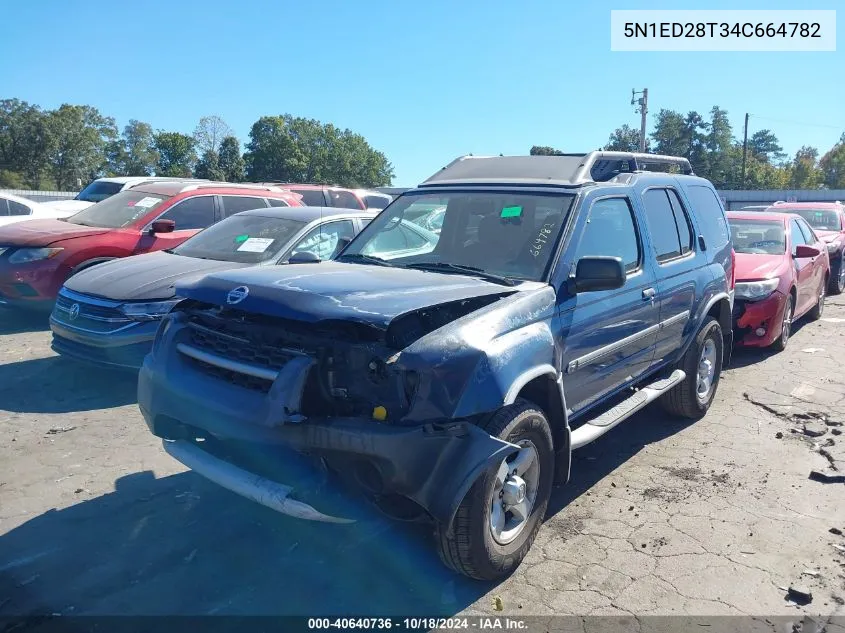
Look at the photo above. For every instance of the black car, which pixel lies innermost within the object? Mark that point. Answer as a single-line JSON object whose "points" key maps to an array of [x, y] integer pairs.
{"points": [[108, 314], [450, 385]]}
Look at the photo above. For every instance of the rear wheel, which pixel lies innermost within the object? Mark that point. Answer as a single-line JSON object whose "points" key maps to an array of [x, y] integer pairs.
{"points": [[501, 514], [702, 364], [786, 325], [816, 313]]}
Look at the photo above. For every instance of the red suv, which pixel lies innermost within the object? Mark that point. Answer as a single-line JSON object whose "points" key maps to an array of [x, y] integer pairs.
{"points": [[37, 256]]}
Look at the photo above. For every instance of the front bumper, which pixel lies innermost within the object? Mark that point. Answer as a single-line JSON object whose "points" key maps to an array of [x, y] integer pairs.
{"points": [[433, 464], [749, 316], [33, 285]]}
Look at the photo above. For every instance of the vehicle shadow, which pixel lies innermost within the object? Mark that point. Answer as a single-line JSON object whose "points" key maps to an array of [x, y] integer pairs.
{"points": [[13, 322], [59, 385], [181, 545], [745, 356], [595, 461]]}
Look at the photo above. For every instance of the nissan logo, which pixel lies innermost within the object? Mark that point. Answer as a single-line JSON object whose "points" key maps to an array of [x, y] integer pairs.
{"points": [[237, 295], [73, 312]]}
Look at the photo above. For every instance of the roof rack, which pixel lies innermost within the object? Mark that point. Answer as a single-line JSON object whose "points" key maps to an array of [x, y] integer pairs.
{"points": [[564, 169], [231, 185]]}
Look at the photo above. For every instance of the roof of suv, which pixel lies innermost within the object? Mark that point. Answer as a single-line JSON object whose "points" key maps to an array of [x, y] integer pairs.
{"points": [[172, 188], [563, 170], [785, 206], [307, 214]]}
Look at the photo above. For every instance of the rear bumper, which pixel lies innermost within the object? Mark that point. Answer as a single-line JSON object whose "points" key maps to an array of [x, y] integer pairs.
{"points": [[749, 316], [433, 464]]}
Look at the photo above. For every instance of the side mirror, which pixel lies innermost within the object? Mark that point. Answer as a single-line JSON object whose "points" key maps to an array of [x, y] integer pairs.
{"points": [[342, 243], [597, 273], [162, 226], [303, 257], [805, 251]]}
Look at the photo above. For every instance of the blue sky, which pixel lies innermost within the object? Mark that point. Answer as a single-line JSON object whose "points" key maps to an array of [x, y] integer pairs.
{"points": [[424, 82]]}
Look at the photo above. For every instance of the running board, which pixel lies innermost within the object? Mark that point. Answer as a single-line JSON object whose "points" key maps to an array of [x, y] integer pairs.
{"points": [[597, 427]]}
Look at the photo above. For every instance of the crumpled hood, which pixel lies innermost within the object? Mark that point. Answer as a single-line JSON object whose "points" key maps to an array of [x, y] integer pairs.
{"points": [[44, 232], [143, 277], [751, 266], [374, 295]]}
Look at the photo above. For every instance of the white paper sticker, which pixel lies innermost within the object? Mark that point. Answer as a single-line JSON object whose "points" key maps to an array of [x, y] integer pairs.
{"points": [[147, 202], [256, 244]]}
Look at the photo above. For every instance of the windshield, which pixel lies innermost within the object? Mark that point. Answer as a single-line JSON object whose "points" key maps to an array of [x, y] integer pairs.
{"points": [[821, 219], [119, 210], [246, 239], [510, 234], [758, 237], [97, 191]]}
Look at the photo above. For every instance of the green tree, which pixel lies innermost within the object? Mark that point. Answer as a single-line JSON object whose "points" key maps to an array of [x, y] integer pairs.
{"points": [[25, 144], [805, 172], [80, 138], [721, 161], [210, 132], [764, 146], [624, 139], [832, 165], [294, 149], [209, 167], [176, 155], [231, 161], [544, 150], [134, 153]]}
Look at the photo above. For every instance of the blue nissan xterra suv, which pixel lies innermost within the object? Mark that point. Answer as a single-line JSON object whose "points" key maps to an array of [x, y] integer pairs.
{"points": [[451, 383]]}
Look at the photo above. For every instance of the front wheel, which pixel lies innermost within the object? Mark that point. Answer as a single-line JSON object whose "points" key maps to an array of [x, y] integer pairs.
{"points": [[702, 364], [837, 277], [501, 514]]}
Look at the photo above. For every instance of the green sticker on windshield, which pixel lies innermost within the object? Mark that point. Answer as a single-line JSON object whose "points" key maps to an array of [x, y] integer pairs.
{"points": [[241, 238], [511, 212]]}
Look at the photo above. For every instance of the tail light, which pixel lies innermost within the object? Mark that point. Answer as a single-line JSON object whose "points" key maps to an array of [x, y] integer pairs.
{"points": [[733, 268]]}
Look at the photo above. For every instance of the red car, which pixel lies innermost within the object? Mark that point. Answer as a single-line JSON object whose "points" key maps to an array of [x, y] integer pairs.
{"points": [[37, 256], [827, 219], [782, 271]]}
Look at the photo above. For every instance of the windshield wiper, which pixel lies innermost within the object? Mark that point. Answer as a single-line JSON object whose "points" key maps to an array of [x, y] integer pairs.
{"points": [[366, 259], [445, 267]]}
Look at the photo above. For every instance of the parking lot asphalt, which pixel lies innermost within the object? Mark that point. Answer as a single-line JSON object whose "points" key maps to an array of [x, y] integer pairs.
{"points": [[663, 517]]}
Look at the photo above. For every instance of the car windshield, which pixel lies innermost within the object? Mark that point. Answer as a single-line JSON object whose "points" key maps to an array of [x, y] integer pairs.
{"points": [[121, 209], [758, 237], [510, 234], [821, 219], [246, 239], [97, 191]]}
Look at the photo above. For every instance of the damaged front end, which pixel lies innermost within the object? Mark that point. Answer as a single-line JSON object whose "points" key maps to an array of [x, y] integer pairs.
{"points": [[350, 400]]}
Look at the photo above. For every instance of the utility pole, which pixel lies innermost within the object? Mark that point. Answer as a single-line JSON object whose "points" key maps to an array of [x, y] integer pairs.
{"points": [[744, 148], [642, 102]]}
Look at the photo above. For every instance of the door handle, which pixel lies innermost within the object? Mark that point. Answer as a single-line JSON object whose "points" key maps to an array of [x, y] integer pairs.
{"points": [[648, 294]]}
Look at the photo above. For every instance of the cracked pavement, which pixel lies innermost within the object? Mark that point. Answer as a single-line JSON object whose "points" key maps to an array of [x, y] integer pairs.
{"points": [[661, 517]]}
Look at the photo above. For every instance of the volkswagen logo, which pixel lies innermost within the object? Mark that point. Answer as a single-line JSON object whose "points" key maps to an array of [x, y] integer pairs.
{"points": [[73, 312], [237, 295]]}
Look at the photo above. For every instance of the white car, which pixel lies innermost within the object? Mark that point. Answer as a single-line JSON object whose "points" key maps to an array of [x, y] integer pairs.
{"points": [[102, 188], [15, 209]]}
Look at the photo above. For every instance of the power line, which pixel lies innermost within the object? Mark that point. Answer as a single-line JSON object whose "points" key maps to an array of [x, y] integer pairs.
{"points": [[832, 127]]}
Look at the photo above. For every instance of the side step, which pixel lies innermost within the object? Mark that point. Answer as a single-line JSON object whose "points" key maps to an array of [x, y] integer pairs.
{"points": [[597, 427]]}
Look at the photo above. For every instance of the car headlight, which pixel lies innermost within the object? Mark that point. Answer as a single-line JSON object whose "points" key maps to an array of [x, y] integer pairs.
{"points": [[756, 290], [832, 247], [151, 311], [25, 255]]}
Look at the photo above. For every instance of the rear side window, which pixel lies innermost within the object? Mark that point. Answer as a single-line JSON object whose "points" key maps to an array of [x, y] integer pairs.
{"points": [[660, 217], [277, 202], [708, 211], [311, 197], [236, 204], [16, 208], [344, 199], [682, 221], [610, 231], [4, 207], [376, 202], [193, 213]]}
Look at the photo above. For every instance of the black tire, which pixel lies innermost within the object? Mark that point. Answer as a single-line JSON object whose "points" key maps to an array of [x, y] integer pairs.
{"points": [[683, 400], [837, 282], [783, 340], [816, 313], [472, 550]]}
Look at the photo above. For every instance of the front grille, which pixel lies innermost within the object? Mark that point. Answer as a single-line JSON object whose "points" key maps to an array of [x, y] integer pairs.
{"points": [[233, 377], [237, 348], [90, 314]]}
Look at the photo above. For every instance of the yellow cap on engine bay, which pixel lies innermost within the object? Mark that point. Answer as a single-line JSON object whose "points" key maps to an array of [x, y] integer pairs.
{"points": [[380, 414]]}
